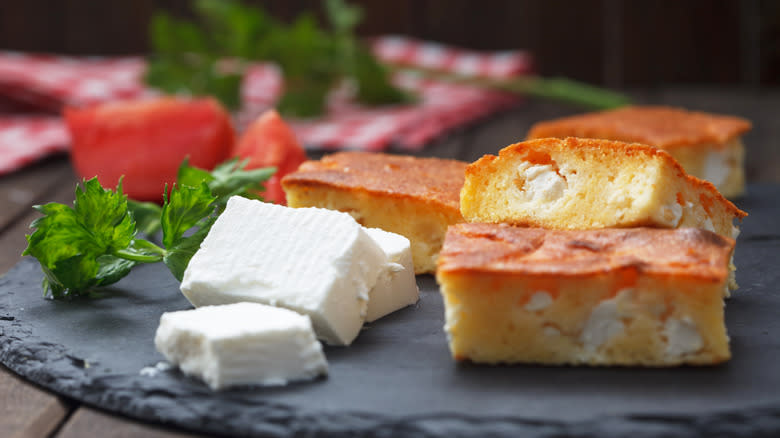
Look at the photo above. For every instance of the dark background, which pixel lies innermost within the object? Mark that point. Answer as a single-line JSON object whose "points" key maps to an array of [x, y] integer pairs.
{"points": [[618, 43]]}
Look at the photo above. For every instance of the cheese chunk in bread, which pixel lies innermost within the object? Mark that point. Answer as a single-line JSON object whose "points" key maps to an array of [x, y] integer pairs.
{"points": [[635, 296], [415, 197], [576, 183], [708, 146]]}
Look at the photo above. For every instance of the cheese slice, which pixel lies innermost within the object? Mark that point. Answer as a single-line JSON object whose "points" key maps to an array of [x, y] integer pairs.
{"points": [[396, 286], [241, 344], [314, 261]]}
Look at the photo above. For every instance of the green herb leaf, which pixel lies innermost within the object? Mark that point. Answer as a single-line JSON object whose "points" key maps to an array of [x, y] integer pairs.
{"points": [[178, 257], [343, 18], [186, 208], [236, 30], [373, 81], [146, 215], [227, 179], [230, 179], [183, 210], [210, 56], [77, 246], [93, 243]]}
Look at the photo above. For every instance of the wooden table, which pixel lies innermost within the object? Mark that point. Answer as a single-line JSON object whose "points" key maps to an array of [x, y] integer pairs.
{"points": [[28, 411]]}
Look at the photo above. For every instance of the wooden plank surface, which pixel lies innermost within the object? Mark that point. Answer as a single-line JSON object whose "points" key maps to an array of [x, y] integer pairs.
{"points": [[87, 422], [20, 190], [49, 181], [26, 411]]}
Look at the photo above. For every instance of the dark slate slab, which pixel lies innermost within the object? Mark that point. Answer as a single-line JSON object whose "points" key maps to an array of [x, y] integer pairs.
{"points": [[398, 379]]}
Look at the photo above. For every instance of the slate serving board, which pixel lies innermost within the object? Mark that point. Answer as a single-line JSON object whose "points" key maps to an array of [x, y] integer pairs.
{"points": [[397, 379]]}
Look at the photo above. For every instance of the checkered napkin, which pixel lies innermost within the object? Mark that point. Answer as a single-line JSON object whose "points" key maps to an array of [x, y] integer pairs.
{"points": [[46, 83]]}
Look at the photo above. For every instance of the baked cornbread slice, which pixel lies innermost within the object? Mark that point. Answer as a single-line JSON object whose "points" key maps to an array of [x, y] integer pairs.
{"points": [[708, 146], [635, 296], [576, 183], [414, 197]]}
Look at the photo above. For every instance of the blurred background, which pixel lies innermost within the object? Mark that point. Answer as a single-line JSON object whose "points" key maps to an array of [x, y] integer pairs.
{"points": [[720, 56], [615, 43]]}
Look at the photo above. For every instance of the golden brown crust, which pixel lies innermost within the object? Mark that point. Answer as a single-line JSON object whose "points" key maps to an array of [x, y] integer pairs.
{"points": [[501, 248], [534, 151], [658, 126], [433, 180]]}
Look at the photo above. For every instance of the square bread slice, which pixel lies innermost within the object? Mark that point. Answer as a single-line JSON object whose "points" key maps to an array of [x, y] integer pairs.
{"points": [[415, 197], [708, 146], [635, 296], [580, 184]]}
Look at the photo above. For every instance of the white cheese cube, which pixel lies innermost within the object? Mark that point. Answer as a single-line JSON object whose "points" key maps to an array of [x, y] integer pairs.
{"points": [[317, 262], [396, 286], [240, 344]]}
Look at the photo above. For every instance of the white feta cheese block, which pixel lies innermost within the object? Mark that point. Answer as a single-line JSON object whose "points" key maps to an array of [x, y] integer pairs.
{"points": [[396, 286], [315, 261], [241, 344]]}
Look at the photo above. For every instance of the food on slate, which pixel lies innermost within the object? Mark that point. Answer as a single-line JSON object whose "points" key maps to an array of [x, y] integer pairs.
{"points": [[146, 140], [315, 261], [577, 183], [708, 146], [637, 296], [415, 197], [241, 344], [269, 142], [94, 243], [226, 180]]}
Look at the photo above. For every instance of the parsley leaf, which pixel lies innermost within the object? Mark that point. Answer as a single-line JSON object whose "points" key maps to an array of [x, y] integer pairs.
{"points": [[186, 208], [209, 56], [183, 210], [77, 246], [95, 243], [227, 179], [178, 256], [146, 215]]}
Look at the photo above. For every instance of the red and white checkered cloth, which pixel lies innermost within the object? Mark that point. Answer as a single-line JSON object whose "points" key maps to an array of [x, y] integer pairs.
{"points": [[48, 83]]}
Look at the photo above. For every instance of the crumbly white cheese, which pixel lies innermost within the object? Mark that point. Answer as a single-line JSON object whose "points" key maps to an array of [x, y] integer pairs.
{"points": [[682, 337], [396, 286], [669, 215], [716, 167], [551, 331], [153, 371], [538, 301], [315, 261], [240, 344], [708, 225], [542, 183], [604, 322]]}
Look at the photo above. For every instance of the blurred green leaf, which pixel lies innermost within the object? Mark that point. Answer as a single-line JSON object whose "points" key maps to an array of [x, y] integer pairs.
{"points": [[209, 56]]}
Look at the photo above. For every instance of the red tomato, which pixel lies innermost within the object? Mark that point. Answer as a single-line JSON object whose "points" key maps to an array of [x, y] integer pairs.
{"points": [[270, 142], [147, 140]]}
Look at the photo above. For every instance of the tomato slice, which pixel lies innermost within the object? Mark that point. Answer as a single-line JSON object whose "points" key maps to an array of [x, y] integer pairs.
{"points": [[269, 141], [147, 140]]}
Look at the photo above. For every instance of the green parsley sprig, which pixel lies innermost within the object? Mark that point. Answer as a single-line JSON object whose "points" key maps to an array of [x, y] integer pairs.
{"points": [[95, 243], [210, 55], [226, 180]]}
